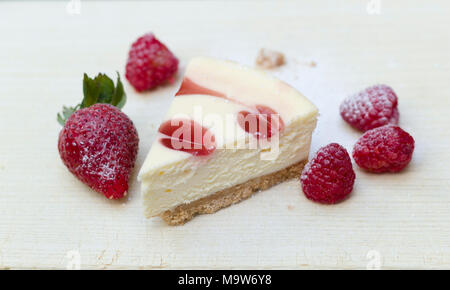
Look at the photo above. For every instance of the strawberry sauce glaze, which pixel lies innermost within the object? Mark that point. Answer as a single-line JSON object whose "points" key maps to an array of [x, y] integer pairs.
{"points": [[188, 136], [188, 87], [263, 124], [184, 135]]}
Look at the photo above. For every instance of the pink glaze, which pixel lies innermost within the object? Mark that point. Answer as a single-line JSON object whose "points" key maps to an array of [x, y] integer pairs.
{"points": [[188, 136], [264, 124], [188, 87]]}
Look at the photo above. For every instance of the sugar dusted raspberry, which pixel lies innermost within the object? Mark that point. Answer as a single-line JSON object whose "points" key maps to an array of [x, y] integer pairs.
{"points": [[384, 149], [328, 177], [373, 107], [150, 63]]}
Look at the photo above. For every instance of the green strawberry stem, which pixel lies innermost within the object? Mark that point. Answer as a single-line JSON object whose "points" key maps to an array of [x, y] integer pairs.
{"points": [[101, 89]]}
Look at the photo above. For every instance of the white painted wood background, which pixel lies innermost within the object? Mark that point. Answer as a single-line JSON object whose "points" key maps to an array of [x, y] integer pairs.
{"points": [[391, 220]]}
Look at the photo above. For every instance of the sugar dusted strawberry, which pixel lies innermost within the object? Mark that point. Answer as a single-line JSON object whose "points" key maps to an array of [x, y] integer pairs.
{"points": [[384, 149], [150, 63], [328, 177], [373, 107], [99, 143]]}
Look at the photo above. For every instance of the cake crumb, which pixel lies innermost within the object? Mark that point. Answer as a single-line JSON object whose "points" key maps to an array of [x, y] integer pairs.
{"points": [[269, 59], [290, 207], [306, 63]]}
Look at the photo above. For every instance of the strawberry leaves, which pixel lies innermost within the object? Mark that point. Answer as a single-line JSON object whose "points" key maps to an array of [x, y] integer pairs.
{"points": [[119, 98], [66, 112], [100, 89]]}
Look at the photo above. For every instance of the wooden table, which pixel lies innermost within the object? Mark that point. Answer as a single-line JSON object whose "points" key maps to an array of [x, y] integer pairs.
{"points": [[48, 219]]}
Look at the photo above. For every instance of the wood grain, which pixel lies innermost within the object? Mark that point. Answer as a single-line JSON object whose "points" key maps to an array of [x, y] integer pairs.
{"points": [[401, 220]]}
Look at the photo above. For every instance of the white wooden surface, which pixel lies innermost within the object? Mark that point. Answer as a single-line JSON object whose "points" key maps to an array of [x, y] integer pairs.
{"points": [[399, 220]]}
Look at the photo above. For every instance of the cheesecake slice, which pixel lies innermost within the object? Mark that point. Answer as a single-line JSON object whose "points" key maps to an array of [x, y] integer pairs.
{"points": [[230, 132]]}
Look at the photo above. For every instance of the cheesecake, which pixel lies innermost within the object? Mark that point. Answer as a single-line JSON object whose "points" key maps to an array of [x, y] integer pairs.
{"points": [[230, 131]]}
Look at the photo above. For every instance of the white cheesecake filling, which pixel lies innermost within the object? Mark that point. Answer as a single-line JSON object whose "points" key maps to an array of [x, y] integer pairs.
{"points": [[166, 187]]}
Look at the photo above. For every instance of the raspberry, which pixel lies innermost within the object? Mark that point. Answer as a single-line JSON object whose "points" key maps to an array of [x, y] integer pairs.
{"points": [[371, 108], [150, 63], [328, 177], [384, 149]]}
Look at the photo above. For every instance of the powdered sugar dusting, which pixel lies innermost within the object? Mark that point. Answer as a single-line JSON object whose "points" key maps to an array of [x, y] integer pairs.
{"points": [[373, 107], [384, 149]]}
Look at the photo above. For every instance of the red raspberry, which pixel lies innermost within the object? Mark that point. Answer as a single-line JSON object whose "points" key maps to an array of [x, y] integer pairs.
{"points": [[328, 177], [150, 63], [373, 107], [384, 149]]}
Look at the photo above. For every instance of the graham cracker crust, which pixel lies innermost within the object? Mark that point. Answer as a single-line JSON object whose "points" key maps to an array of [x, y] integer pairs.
{"points": [[224, 198]]}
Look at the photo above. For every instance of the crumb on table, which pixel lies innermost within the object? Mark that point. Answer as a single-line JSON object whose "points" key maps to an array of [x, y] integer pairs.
{"points": [[269, 59]]}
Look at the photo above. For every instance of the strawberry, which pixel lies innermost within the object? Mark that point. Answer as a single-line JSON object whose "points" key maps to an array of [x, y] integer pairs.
{"points": [[99, 143]]}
